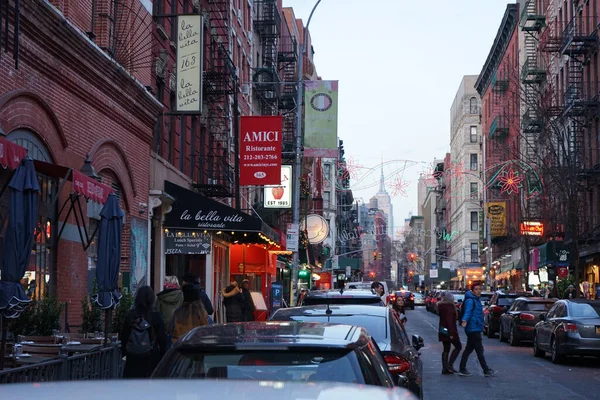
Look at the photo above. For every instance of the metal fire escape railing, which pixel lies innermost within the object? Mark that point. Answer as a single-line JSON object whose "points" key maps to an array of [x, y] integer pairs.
{"points": [[267, 24], [500, 85], [288, 69], [216, 178]]}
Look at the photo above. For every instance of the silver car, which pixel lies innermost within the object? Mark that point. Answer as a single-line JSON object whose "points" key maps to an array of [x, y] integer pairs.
{"points": [[419, 299]]}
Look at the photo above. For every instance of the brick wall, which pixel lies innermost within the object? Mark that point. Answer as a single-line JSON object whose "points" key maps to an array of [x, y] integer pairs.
{"points": [[73, 98]]}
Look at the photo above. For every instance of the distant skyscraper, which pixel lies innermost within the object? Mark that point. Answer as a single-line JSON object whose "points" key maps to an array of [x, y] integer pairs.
{"points": [[384, 202]]}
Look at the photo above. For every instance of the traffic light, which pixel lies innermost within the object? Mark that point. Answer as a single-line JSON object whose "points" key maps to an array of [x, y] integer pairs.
{"points": [[380, 256], [372, 274], [374, 256], [412, 256], [325, 251], [303, 274], [411, 273]]}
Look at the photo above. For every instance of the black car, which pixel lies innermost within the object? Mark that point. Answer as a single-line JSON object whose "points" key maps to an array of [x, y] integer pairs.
{"points": [[348, 296], [498, 305], [517, 323], [571, 327], [381, 324], [277, 351]]}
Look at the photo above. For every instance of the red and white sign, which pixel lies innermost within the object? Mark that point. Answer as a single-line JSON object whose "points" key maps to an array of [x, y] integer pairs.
{"points": [[90, 188], [562, 272], [260, 150], [11, 154]]}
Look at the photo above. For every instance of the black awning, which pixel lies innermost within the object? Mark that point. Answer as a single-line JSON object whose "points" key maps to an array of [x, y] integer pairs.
{"points": [[191, 210]]}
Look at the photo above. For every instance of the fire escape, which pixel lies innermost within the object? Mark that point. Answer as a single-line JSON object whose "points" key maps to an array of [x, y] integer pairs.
{"points": [[533, 76], [216, 177], [267, 23], [288, 71]]}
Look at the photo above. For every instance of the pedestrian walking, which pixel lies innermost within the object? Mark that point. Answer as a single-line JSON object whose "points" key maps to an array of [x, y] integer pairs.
{"points": [[190, 315], [448, 333], [399, 310], [570, 293], [191, 279], [143, 336], [472, 321], [248, 306], [233, 300], [170, 299]]}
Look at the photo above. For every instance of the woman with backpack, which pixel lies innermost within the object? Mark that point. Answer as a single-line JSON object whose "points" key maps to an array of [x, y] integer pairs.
{"points": [[448, 332], [190, 315], [143, 336]]}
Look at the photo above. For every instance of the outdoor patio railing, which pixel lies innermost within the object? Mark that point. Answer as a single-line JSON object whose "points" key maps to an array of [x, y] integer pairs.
{"points": [[103, 364]]}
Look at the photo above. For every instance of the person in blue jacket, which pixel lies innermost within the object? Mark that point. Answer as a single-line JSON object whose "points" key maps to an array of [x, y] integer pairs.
{"points": [[472, 321]]}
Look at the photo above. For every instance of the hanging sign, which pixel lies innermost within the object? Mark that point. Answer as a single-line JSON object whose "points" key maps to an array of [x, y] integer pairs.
{"points": [[90, 188], [11, 154], [260, 150], [280, 196], [189, 63], [316, 227], [187, 242], [532, 228]]}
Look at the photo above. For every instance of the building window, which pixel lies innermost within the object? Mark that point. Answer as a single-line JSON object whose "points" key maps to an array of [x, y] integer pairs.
{"points": [[473, 162], [474, 221], [473, 134], [326, 199], [473, 106], [474, 190], [327, 172], [474, 252]]}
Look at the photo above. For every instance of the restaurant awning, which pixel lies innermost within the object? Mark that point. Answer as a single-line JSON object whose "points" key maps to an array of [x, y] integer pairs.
{"points": [[10, 157], [191, 210]]}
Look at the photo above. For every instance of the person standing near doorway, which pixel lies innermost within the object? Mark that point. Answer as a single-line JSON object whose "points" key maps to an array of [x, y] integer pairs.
{"points": [[472, 321], [248, 306]]}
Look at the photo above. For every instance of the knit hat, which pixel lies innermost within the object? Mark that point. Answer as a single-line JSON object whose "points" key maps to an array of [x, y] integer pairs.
{"points": [[190, 294], [171, 282]]}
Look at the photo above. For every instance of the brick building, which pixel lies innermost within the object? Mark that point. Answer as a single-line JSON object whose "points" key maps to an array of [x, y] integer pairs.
{"points": [[76, 92]]}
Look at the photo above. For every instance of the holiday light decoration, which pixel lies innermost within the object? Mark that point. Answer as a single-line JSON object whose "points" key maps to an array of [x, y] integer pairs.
{"points": [[510, 181], [398, 186]]}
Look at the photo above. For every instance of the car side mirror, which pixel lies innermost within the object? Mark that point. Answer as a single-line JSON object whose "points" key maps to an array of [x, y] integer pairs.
{"points": [[400, 380], [417, 342], [542, 316]]}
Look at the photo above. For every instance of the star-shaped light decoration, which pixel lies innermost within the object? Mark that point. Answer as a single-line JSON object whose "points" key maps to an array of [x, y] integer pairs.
{"points": [[352, 166], [510, 181], [457, 171], [430, 177], [398, 186]]}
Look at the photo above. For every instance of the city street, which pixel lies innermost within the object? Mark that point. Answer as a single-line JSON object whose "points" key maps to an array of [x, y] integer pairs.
{"points": [[520, 374]]}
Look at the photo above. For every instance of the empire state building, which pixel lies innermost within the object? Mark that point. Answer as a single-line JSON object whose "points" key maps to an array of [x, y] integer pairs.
{"points": [[384, 202]]}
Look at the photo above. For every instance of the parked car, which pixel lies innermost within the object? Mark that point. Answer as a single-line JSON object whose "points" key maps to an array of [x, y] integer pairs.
{"points": [[498, 305], [485, 297], [279, 351], [419, 299], [195, 389], [409, 298], [571, 327], [518, 322], [354, 296], [367, 286], [391, 338]]}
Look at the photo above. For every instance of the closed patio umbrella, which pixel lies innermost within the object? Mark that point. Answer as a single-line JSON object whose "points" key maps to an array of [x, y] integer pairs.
{"points": [[110, 232], [22, 219]]}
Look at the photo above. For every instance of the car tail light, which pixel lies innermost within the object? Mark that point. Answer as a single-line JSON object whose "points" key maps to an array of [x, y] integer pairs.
{"points": [[391, 299], [397, 364], [412, 297], [527, 317], [570, 328], [497, 309]]}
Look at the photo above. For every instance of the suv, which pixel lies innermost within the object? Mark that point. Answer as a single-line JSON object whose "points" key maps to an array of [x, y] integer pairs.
{"points": [[493, 309], [356, 296], [277, 351]]}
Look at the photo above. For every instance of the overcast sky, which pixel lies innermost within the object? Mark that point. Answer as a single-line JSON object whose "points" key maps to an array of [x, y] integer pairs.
{"points": [[399, 64]]}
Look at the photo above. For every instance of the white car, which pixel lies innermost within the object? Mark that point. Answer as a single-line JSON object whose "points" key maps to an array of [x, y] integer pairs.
{"points": [[367, 285], [419, 299], [194, 389]]}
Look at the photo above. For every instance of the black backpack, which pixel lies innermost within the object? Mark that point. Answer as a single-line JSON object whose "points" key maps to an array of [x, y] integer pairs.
{"points": [[140, 339], [461, 313]]}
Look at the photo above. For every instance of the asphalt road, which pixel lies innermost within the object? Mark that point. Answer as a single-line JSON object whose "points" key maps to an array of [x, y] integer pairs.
{"points": [[520, 375]]}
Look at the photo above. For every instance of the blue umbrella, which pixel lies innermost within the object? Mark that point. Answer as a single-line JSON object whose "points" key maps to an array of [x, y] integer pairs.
{"points": [[22, 219], [109, 253]]}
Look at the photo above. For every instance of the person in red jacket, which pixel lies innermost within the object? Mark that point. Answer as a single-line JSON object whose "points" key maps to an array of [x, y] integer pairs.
{"points": [[448, 333]]}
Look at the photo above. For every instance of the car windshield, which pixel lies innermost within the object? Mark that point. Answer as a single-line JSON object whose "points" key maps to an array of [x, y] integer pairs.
{"points": [[418, 296], [506, 301], [295, 364], [314, 301], [459, 297], [538, 306], [585, 310], [375, 325]]}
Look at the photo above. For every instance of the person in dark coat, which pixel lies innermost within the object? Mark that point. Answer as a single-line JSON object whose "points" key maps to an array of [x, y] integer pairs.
{"points": [[249, 306], [191, 279], [448, 317], [233, 300], [136, 366]]}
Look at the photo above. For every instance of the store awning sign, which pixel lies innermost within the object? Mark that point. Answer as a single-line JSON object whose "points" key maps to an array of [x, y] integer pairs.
{"points": [[11, 154], [187, 242]]}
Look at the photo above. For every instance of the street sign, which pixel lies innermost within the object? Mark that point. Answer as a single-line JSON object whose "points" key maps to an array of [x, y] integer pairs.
{"points": [[292, 237]]}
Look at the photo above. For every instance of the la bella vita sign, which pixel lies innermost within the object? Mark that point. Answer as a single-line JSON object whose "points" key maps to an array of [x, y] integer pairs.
{"points": [[189, 63]]}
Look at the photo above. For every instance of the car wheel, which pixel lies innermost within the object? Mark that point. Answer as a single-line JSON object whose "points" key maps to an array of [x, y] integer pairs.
{"points": [[512, 340], [556, 358], [501, 333], [536, 350]]}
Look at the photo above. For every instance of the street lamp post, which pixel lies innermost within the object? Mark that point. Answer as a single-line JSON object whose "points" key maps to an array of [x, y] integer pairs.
{"points": [[298, 163]]}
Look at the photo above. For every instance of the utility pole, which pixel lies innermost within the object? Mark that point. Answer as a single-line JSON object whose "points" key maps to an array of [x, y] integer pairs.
{"points": [[298, 164]]}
